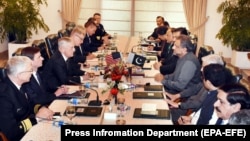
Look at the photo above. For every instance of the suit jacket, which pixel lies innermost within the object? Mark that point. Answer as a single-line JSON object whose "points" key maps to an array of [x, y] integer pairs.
{"points": [[170, 60], [37, 92], [207, 108], [154, 34], [56, 73], [89, 45], [79, 57], [99, 33], [197, 94], [14, 109]]}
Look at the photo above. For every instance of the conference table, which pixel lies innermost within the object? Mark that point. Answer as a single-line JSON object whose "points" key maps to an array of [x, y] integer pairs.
{"points": [[50, 130]]}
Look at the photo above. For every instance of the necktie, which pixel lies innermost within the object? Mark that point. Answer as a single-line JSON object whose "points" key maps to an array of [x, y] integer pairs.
{"points": [[22, 92], [67, 64], [80, 49], [38, 78], [219, 121], [89, 39]]}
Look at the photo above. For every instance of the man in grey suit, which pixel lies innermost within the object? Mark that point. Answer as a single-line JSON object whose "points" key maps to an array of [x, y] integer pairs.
{"points": [[187, 71]]}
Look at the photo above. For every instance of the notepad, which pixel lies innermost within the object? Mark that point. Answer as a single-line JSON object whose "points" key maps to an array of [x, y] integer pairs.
{"points": [[153, 88], [151, 73], [87, 111], [147, 95], [158, 114], [76, 94]]}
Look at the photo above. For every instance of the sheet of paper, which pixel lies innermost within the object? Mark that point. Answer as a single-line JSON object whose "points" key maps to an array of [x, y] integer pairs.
{"points": [[148, 107], [111, 116], [151, 73]]}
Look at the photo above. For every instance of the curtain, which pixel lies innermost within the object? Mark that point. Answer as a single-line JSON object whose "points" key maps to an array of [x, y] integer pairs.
{"points": [[70, 10], [195, 11]]}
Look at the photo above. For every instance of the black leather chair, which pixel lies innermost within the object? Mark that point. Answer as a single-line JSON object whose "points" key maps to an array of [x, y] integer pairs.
{"points": [[2, 73], [194, 40], [69, 27], [63, 33], [237, 78], [52, 43], [17, 52], [204, 51], [43, 50]]}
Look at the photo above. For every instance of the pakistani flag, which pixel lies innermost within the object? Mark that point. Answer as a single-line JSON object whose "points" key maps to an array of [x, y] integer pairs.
{"points": [[136, 59]]}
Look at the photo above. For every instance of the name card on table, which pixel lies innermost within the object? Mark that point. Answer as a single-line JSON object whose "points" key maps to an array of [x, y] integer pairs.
{"points": [[111, 116]]}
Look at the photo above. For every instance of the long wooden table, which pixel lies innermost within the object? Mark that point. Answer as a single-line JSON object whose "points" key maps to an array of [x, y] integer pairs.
{"points": [[45, 130]]}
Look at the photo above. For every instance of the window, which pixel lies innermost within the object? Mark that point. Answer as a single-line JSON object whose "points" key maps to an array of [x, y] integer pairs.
{"points": [[129, 17]]}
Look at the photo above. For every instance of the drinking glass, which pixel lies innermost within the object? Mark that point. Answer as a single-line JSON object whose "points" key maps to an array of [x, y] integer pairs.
{"points": [[91, 77], [121, 106], [100, 61], [70, 113]]}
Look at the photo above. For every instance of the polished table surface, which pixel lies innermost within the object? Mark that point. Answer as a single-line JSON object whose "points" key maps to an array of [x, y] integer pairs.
{"points": [[45, 130]]}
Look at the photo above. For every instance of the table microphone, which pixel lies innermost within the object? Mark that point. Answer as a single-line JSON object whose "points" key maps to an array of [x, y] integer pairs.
{"points": [[96, 102]]}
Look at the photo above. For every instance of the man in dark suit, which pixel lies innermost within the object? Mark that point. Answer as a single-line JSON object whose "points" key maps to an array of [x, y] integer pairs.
{"points": [[89, 45], [231, 99], [35, 87], [167, 63], [214, 76], [56, 71], [80, 56], [160, 22], [18, 115], [100, 36]]}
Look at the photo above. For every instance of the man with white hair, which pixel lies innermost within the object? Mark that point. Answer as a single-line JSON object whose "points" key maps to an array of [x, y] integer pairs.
{"points": [[56, 71], [18, 115]]}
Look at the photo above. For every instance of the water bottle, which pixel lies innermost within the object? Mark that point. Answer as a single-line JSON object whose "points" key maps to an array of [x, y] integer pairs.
{"points": [[58, 123], [111, 105], [90, 85], [74, 101]]}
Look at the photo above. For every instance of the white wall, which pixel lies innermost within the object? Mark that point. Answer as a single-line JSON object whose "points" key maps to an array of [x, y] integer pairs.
{"points": [[51, 17], [213, 26]]}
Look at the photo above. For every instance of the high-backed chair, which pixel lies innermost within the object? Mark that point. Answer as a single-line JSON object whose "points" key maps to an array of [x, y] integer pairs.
{"points": [[237, 76], [17, 52], [43, 49], [69, 27], [194, 40], [52, 43], [245, 83], [2, 73], [204, 51], [63, 33]]}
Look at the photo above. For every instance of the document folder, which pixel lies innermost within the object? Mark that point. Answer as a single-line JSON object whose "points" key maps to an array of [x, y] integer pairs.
{"points": [[76, 94], [159, 114], [147, 95], [153, 88], [87, 111]]}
